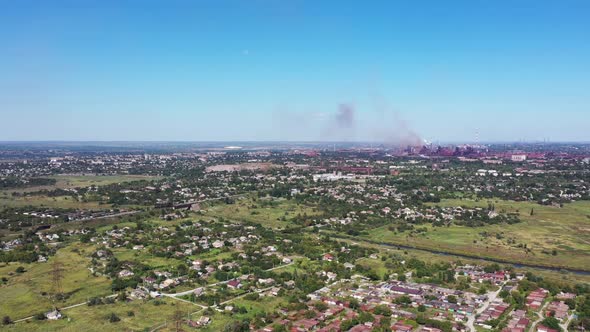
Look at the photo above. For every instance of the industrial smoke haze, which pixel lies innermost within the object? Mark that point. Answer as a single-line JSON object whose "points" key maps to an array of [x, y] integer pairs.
{"points": [[397, 132], [384, 125], [392, 129], [345, 116]]}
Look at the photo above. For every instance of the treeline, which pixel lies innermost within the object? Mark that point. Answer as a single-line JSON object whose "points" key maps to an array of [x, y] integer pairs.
{"points": [[12, 182]]}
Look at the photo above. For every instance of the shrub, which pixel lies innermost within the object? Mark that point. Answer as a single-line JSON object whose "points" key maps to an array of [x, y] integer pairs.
{"points": [[6, 320], [113, 318]]}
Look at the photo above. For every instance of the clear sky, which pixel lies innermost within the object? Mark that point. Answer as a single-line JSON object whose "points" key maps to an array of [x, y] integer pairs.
{"points": [[286, 70]]}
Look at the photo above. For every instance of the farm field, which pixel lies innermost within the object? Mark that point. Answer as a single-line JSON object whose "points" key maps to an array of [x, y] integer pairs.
{"points": [[24, 294], [557, 237]]}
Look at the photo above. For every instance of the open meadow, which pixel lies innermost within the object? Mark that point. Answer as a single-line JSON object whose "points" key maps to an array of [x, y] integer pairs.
{"points": [[26, 294], [550, 236], [275, 214], [65, 182], [134, 316]]}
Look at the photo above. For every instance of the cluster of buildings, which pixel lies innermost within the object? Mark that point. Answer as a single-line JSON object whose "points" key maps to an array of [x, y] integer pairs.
{"points": [[494, 311], [518, 322], [477, 274], [534, 300]]}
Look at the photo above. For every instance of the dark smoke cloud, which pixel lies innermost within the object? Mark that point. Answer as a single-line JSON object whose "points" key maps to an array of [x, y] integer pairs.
{"points": [[345, 116], [384, 125]]}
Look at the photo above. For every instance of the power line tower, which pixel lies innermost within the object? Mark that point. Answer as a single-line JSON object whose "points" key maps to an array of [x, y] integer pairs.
{"points": [[56, 277], [177, 318]]}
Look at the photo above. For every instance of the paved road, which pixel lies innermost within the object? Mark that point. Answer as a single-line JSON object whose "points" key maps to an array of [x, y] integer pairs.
{"points": [[540, 315], [492, 296], [565, 324]]}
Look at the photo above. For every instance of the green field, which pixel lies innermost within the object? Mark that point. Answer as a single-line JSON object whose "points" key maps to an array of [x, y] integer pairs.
{"points": [[146, 315], [80, 181], [64, 202], [73, 181], [65, 182], [379, 266], [558, 237], [23, 295], [271, 216]]}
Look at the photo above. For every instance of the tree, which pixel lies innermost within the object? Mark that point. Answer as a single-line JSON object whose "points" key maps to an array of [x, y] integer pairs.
{"points": [[6, 320], [113, 318], [404, 299], [40, 316], [353, 303], [365, 317], [237, 326], [551, 322], [182, 269], [347, 325], [320, 306], [382, 310]]}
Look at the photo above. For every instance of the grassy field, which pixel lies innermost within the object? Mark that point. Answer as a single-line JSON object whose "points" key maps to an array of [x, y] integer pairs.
{"points": [[80, 181], [244, 210], [65, 182], [23, 295], [378, 265], [144, 257], [73, 181], [558, 237], [64, 202], [146, 316], [374, 264]]}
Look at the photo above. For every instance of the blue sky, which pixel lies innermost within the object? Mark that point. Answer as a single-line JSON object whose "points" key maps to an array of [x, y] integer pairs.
{"points": [[278, 70]]}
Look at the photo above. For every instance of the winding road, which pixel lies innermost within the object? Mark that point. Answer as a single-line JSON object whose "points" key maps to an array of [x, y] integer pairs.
{"points": [[492, 296]]}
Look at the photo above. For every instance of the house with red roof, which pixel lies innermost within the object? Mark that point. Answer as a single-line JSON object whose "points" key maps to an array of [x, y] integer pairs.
{"points": [[401, 327], [543, 328], [328, 257], [234, 284]]}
